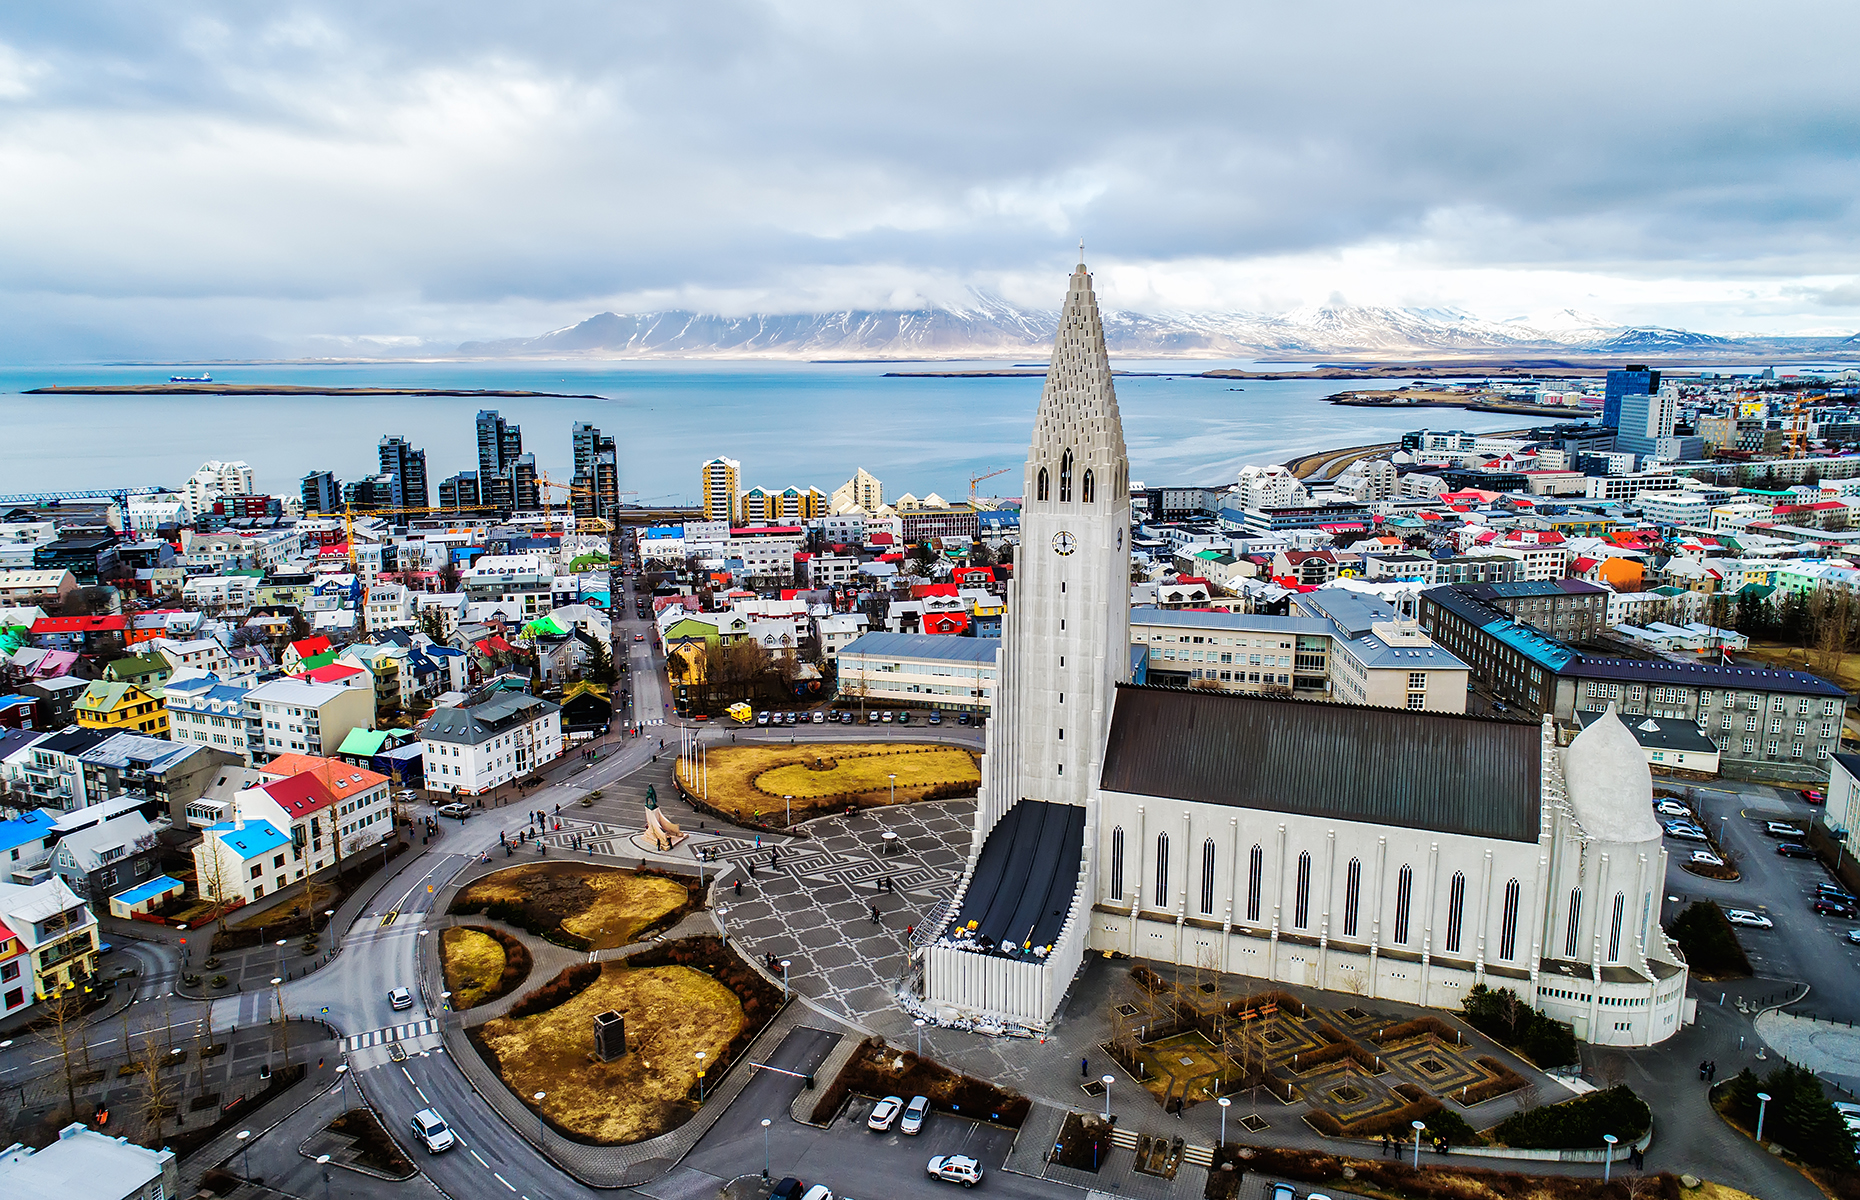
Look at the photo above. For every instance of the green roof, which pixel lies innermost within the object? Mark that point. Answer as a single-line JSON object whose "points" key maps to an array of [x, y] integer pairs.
{"points": [[363, 741], [138, 664], [317, 660], [544, 627]]}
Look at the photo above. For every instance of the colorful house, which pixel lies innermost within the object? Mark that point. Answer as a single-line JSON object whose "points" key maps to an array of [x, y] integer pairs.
{"points": [[121, 708]]}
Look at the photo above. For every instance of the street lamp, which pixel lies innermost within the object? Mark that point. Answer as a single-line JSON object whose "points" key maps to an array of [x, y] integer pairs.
{"points": [[1107, 1080], [894, 786], [542, 1122], [322, 1160], [789, 802], [329, 914], [919, 1022], [1608, 1157], [1225, 1104], [700, 1062], [284, 1030], [1418, 1127], [1763, 1103], [445, 1002], [245, 1149], [784, 981], [765, 1147], [341, 1070]]}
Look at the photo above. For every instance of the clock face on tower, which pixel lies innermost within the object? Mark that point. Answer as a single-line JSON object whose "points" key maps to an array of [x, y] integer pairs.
{"points": [[1064, 542]]}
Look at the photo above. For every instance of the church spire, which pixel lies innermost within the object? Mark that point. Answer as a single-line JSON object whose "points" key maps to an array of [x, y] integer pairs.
{"points": [[1077, 428]]}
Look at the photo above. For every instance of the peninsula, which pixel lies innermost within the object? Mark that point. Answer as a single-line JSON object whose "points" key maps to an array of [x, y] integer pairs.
{"points": [[280, 389]]}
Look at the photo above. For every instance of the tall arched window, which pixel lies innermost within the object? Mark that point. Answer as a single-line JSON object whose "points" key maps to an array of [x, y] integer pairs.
{"points": [[1117, 862], [1508, 925], [1255, 866], [1207, 877], [1614, 928], [1162, 870], [1404, 897], [1301, 900], [1352, 895], [1456, 911], [1575, 923], [1065, 478], [1042, 488], [1085, 487]]}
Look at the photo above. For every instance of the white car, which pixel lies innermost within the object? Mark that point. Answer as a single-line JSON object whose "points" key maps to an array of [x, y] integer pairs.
{"points": [[885, 1113], [1672, 808], [1743, 916], [818, 1192], [914, 1114], [399, 999], [431, 1131], [1706, 858], [1685, 835], [956, 1168]]}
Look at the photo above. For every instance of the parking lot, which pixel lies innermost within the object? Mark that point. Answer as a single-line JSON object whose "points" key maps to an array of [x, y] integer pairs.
{"points": [[1804, 946]]}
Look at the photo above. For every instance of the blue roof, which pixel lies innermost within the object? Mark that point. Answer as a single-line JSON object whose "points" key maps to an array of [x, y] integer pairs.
{"points": [[33, 826], [148, 891], [257, 838]]}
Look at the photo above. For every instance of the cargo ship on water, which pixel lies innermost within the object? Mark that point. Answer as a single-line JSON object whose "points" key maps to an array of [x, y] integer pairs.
{"points": [[190, 379]]}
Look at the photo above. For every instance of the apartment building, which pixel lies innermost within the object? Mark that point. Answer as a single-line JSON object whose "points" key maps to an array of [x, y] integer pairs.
{"points": [[721, 484], [473, 749], [297, 716], [57, 935], [917, 670]]}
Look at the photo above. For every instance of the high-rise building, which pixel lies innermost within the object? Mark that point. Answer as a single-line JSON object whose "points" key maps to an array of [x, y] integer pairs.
{"points": [[213, 480], [525, 494], [1633, 380], [322, 492], [500, 444], [1646, 419], [408, 467], [790, 506], [597, 474], [862, 491], [722, 477], [375, 491], [460, 491]]}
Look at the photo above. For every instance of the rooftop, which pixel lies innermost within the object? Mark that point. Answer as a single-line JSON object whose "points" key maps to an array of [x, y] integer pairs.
{"points": [[980, 651]]}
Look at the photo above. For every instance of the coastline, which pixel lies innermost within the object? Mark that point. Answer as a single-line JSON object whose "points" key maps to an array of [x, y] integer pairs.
{"points": [[283, 389]]}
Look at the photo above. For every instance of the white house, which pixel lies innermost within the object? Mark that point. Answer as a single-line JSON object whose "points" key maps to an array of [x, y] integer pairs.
{"points": [[472, 750]]}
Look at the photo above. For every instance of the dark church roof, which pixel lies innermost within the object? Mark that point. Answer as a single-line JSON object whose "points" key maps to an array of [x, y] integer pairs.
{"points": [[1023, 882], [1446, 772]]}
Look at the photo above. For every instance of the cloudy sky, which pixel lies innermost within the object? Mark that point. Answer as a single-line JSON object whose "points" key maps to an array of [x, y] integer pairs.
{"points": [[232, 179]]}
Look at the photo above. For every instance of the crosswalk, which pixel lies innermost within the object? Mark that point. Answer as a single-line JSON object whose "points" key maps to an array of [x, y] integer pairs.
{"points": [[393, 1033]]}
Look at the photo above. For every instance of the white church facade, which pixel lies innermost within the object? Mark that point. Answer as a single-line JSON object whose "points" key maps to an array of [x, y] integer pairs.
{"points": [[1388, 853]]}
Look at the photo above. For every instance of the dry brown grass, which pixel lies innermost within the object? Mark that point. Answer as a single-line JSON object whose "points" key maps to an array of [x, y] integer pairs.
{"points": [[474, 965], [607, 906], [749, 781], [671, 1014]]}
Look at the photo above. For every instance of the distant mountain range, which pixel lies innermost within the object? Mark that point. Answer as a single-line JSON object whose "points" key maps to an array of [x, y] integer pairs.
{"points": [[989, 327]]}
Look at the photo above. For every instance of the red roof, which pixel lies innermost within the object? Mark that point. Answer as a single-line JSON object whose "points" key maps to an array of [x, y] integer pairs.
{"points": [[310, 647], [494, 645], [330, 673], [79, 624], [300, 795], [878, 538], [920, 590]]}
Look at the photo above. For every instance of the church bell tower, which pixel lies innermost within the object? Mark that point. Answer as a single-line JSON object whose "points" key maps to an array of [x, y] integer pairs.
{"points": [[1066, 643]]}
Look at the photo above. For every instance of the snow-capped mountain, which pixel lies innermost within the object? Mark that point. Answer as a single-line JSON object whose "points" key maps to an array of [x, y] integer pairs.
{"points": [[986, 326]]}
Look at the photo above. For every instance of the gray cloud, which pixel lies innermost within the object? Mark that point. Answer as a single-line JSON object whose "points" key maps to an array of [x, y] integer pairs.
{"points": [[431, 170]]}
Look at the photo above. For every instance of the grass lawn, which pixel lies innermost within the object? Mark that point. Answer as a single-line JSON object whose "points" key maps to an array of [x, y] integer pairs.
{"points": [[671, 1014], [750, 781], [474, 964], [1163, 1059], [1794, 658], [607, 906]]}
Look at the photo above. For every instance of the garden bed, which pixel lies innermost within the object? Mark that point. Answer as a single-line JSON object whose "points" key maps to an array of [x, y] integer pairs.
{"points": [[481, 964], [878, 1070], [580, 906], [374, 1149], [1083, 1142], [747, 783], [1577, 1124]]}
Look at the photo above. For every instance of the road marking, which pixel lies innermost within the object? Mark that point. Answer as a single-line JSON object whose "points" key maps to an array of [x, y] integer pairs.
{"points": [[422, 1091], [502, 1180], [409, 1076], [481, 1162], [391, 1033], [389, 919]]}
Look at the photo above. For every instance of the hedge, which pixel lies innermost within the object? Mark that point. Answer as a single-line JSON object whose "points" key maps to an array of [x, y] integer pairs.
{"points": [[1578, 1124], [1503, 1017], [571, 982], [1709, 943]]}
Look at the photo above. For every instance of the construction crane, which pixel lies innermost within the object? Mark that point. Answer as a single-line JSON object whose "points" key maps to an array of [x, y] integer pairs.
{"points": [[975, 479], [593, 524], [349, 514]]}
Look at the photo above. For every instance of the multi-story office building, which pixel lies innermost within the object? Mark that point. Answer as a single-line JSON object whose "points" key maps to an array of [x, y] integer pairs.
{"points": [[597, 473], [922, 670], [721, 479], [407, 467], [322, 492], [460, 491], [1564, 608], [1630, 381], [500, 444], [1646, 421]]}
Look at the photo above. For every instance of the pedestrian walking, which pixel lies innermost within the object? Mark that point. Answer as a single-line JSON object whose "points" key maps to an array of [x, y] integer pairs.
{"points": [[1711, 1071], [739, 887], [874, 914], [1082, 1068]]}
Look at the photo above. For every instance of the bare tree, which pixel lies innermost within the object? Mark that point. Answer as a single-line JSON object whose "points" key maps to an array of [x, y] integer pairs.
{"points": [[157, 1092], [63, 1022]]}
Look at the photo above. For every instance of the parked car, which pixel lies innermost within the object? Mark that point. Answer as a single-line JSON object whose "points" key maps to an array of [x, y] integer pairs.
{"points": [[457, 809], [1794, 850], [762, 718], [1782, 829], [846, 718], [885, 1113], [956, 1168], [936, 718], [399, 999], [885, 716], [1706, 858], [963, 719], [1833, 908], [820, 716], [871, 718], [914, 1114], [431, 1131], [788, 1189], [1833, 891], [1743, 916], [1853, 935], [407, 795], [1285, 1191], [1694, 826], [904, 718], [818, 1192], [1672, 808], [1686, 835], [1813, 795]]}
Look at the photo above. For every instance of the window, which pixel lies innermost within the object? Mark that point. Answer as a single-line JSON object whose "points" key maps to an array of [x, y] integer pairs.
{"points": [[1162, 870], [1085, 489], [1456, 908], [1416, 700], [1575, 922], [1614, 929], [1065, 478], [1256, 863], [1404, 895], [1041, 487], [1301, 900], [1117, 862], [1352, 894], [1207, 875]]}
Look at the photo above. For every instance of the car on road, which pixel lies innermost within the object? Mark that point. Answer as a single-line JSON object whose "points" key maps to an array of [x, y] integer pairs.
{"points": [[400, 998], [1834, 908], [1706, 858], [458, 810], [885, 1113], [956, 1168], [1672, 808], [1686, 835], [1743, 916], [430, 1130], [1782, 829], [914, 1114], [1794, 850], [407, 795], [1813, 795], [639, 637]]}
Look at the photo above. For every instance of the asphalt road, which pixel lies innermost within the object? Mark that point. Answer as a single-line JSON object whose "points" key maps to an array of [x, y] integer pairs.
{"points": [[1804, 946]]}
